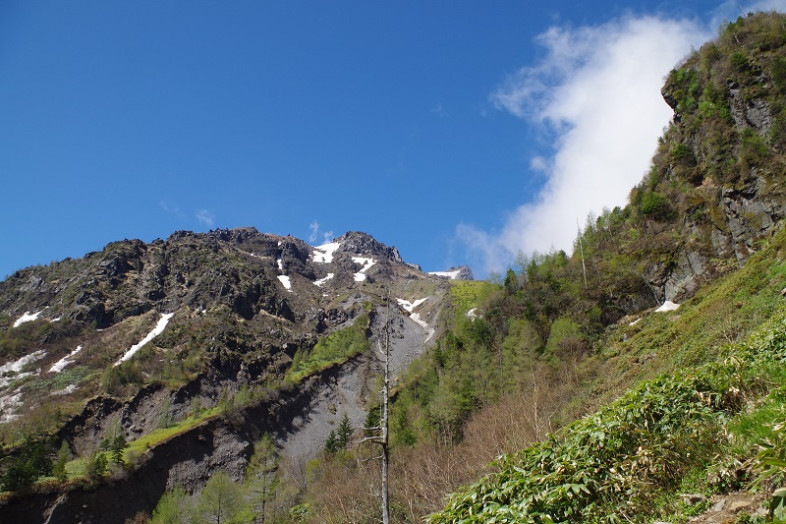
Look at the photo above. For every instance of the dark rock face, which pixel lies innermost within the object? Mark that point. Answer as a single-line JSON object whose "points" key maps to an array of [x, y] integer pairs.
{"points": [[720, 163], [239, 305]]}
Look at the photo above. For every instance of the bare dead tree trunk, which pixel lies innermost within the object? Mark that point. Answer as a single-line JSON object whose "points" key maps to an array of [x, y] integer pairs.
{"points": [[384, 424], [381, 437], [581, 250]]}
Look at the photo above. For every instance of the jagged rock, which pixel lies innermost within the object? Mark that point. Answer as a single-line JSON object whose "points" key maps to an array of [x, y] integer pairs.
{"points": [[234, 319]]}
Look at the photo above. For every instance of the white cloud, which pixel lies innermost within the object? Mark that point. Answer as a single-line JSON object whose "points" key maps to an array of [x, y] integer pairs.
{"points": [[314, 233], [538, 163], [172, 209], [597, 90], [314, 228], [205, 217]]}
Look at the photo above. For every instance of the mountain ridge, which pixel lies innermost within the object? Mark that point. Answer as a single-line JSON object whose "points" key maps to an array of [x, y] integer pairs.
{"points": [[202, 329]]}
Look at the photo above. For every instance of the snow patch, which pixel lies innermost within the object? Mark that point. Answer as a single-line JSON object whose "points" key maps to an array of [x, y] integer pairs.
{"points": [[280, 264], [667, 306], [324, 253], [409, 306], [65, 391], [27, 317], [321, 281], [286, 282], [452, 275], [10, 403], [162, 322], [58, 366], [635, 322], [13, 370], [360, 276]]}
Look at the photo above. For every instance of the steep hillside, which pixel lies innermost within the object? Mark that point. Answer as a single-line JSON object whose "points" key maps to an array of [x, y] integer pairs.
{"points": [[677, 280], [646, 365], [701, 377], [184, 352]]}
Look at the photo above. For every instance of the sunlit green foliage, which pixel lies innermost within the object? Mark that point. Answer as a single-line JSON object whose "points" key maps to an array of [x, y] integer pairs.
{"points": [[609, 467], [333, 349]]}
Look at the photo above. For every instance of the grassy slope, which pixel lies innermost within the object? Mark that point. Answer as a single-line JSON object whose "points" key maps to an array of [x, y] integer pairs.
{"points": [[632, 456]]}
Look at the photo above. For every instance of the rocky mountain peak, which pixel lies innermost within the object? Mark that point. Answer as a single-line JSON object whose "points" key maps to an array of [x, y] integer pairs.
{"points": [[359, 243], [455, 273]]}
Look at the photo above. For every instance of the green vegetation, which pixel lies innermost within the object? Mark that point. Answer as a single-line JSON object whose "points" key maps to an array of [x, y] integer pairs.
{"points": [[336, 348], [31, 462], [613, 465], [226, 500], [550, 345]]}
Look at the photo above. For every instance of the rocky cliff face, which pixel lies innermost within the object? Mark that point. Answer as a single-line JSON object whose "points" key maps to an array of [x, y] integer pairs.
{"points": [[198, 332], [716, 187]]}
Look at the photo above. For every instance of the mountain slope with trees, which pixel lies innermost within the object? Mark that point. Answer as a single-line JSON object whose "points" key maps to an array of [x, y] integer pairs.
{"points": [[565, 383], [548, 345]]}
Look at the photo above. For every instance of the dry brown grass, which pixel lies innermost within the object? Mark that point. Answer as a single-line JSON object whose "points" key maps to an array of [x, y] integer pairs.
{"points": [[422, 476]]}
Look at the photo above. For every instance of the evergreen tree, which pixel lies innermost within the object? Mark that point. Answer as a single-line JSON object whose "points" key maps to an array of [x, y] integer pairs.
{"points": [[59, 469], [344, 433], [331, 444], [33, 461], [96, 466], [118, 445]]}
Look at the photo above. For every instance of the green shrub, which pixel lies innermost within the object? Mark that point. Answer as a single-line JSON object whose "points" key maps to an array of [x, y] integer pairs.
{"points": [[655, 205], [333, 349]]}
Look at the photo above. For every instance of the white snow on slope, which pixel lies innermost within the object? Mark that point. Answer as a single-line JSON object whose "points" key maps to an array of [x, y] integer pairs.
{"points": [[409, 306], [452, 275], [65, 391], [667, 306], [321, 281], [162, 322], [9, 403], [58, 366], [280, 264], [27, 317], [13, 370], [324, 253], [360, 276], [286, 282]]}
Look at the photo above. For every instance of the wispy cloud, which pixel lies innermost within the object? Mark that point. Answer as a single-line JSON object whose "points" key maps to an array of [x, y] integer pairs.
{"points": [[597, 91], [438, 110], [171, 209], [314, 228], [205, 217], [314, 233]]}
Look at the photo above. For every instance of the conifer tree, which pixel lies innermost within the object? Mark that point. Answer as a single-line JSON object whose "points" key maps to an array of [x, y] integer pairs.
{"points": [[344, 432], [59, 469], [331, 444]]}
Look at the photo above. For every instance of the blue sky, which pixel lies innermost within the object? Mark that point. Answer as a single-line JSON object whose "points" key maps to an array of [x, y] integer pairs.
{"points": [[455, 131]]}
